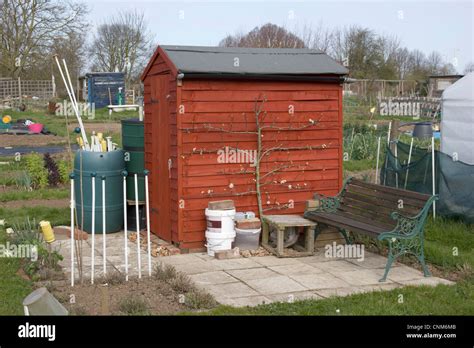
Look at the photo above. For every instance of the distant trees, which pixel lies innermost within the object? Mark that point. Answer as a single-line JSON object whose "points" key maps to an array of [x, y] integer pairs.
{"points": [[29, 30], [368, 55], [122, 44], [266, 36]]}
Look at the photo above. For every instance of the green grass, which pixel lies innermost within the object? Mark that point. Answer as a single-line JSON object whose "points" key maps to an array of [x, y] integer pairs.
{"points": [[442, 236], [13, 288], [48, 193], [359, 165], [57, 216], [424, 300]]}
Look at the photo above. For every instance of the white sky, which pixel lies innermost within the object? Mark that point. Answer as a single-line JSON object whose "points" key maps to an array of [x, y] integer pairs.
{"points": [[443, 26]]}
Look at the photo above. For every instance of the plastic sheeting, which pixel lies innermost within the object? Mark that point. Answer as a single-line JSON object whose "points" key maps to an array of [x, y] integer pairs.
{"points": [[457, 121], [454, 179]]}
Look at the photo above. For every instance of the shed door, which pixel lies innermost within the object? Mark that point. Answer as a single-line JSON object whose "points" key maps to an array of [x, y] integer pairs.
{"points": [[160, 202]]}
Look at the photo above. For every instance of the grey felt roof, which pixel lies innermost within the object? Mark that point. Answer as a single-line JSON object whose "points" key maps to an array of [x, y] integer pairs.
{"points": [[252, 61]]}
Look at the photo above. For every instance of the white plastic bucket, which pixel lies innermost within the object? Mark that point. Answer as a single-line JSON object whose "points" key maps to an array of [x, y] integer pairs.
{"points": [[219, 241], [247, 239], [220, 221]]}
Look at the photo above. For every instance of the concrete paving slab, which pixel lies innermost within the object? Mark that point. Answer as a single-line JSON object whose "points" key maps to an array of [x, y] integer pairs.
{"points": [[335, 267], [291, 297], [181, 259], [320, 281], [363, 277], [296, 269], [402, 273], [372, 261], [197, 266], [249, 301], [208, 278], [268, 261], [339, 292], [253, 273], [230, 290], [275, 285], [240, 263], [431, 281]]}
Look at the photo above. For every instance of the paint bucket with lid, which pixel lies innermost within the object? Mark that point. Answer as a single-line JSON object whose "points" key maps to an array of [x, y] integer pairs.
{"points": [[220, 221], [219, 241]]}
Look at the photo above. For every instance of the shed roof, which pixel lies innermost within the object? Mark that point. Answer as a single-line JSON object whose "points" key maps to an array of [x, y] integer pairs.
{"points": [[251, 61]]}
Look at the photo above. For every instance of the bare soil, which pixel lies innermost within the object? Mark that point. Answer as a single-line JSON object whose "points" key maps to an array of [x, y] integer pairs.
{"points": [[30, 140], [100, 299], [106, 127], [50, 203]]}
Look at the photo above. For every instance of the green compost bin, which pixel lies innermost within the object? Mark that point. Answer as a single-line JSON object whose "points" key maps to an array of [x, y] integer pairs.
{"points": [[108, 165], [133, 143]]}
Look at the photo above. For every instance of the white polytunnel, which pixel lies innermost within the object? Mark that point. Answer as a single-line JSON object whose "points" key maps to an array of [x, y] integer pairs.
{"points": [[457, 120]]}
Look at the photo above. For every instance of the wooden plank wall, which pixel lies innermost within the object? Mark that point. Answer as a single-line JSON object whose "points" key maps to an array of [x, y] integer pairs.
{"points": [[216, 110], [160, 67]]}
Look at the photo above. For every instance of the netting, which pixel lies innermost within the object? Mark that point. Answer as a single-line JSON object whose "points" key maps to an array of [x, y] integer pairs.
{"points": [[454, 180]]}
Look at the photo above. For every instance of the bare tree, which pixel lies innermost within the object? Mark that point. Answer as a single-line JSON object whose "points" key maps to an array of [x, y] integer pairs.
{"points": [[469, 68], [28, 29], [123, 44], [266, 36], [317, 37]]}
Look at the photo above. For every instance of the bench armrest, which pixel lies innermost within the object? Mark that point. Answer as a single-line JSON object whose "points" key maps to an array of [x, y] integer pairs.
{"points": [[408, 226], [331, 204], [327, 204]]}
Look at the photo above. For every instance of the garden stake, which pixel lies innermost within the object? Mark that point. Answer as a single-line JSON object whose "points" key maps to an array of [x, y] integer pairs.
{"points": [[124, 173], [377, 163], [70, 92], [93, 228], [104, 252], [72, 229], [409, 160], [433, 170], [138, 227], [148, 221]]}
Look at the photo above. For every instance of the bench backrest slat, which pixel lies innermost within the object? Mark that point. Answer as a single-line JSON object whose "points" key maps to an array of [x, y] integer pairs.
{"points": [[366, 202], [385, 196], [365, 216]]}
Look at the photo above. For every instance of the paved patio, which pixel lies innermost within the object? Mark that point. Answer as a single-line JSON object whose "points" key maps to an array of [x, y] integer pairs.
{"points": [[256, 280]]}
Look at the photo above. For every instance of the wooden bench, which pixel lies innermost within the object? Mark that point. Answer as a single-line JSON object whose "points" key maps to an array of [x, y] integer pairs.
{"points": [[394, 215]]}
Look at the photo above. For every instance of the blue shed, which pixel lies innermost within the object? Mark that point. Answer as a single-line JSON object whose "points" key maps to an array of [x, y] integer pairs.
{"points": [[99, 84]]}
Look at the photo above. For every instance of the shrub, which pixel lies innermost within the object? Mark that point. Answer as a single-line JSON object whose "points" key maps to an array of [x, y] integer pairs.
{"points": [[54, 178], [64, 168], [198, 299], [37, 171], [165, 272], [132, 305]]}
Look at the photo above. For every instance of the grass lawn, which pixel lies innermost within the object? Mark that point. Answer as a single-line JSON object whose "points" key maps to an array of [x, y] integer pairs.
{"points": [[47, 193], [13, 288]]}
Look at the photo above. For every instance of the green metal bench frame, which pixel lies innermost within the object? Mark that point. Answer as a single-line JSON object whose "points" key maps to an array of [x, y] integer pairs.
{"points": [[406, 238]]}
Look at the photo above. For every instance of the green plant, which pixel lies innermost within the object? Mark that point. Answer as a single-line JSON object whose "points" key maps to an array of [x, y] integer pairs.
{"points": [[23, 180], [181, 283], [50, 165], [132, 305], [164, 272], [37, 171], [47, 260], [198, 299], [64, 168]]}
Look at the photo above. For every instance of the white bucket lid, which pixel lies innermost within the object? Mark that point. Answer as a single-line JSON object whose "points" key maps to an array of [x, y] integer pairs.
{"points": [[220, 213], [219, 235]]}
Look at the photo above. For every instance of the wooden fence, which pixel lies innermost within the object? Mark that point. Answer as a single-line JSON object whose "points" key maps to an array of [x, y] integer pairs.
{"points": [[17, 90]]}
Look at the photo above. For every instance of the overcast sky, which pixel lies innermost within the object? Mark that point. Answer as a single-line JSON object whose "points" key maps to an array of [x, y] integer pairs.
{"points": [[443, 26]]}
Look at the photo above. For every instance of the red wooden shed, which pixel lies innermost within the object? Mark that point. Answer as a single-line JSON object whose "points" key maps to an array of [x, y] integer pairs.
{"points": [[201, 132]]}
